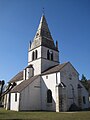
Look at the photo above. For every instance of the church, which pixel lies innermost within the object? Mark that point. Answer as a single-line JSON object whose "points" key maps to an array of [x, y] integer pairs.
{"points": [[45, 84]]}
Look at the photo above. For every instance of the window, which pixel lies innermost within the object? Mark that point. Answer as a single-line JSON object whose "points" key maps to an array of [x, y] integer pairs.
{"points": [[33, 55], [15, 97], [49, 96], [48, 54], [36, 54], [84, 100], [51, 55], [46, 77]]}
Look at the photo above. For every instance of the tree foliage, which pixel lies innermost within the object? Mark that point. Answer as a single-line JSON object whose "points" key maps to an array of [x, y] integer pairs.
{"points": [[2, 85], [9, 87], [84, 82]]}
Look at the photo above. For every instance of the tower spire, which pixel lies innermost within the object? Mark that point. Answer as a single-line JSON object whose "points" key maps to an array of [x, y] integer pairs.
{"points": [[43, 36], [43, 30]]}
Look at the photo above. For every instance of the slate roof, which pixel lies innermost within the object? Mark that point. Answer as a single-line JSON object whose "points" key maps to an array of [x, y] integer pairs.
{"points": [[23, 84], [55, 68], [43, 36], [17, 77]]}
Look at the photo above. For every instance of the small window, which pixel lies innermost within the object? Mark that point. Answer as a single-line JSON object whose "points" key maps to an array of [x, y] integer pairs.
{"points": [[33, 55], [49, 96], [46, 77], [51, 54], [15, 97], [84, 100], [36, 54], [48, 54]]}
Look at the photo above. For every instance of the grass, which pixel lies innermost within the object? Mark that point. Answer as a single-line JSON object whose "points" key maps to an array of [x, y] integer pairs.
{"points": [[4, 114]]}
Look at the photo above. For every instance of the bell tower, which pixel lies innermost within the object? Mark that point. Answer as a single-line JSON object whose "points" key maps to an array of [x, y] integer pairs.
{"points": [[43, 53]]}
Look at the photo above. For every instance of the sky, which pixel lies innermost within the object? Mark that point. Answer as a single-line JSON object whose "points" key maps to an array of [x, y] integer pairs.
{"points": [[68, 21]]}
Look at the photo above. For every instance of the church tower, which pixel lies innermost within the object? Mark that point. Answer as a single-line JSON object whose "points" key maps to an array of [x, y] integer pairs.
{"points": [[43, 53]]}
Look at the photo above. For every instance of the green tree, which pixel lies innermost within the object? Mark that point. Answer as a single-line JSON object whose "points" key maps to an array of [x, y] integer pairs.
{"points": [[84, 82]]}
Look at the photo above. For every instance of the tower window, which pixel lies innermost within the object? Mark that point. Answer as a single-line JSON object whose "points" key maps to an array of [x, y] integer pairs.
{"points": [[33, 55], [36, 54], [15, 97], [49, 96], [50, 55]]}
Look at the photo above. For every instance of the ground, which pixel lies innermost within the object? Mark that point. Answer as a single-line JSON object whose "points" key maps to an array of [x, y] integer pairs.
{"points": [[4, 114]]}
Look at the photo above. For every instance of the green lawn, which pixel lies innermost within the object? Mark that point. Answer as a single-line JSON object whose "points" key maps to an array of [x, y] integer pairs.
{"points": [[85, 115]]}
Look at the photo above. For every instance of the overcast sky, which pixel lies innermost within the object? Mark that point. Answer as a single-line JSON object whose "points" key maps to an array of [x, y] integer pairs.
{"points": [[68, 21]]}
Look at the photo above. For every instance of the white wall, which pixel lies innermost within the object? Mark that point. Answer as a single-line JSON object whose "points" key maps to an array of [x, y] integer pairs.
{"points": [[7, 102], [36, 66], [67, 72], [30, 96], [36, 63], [41, 63], [47, 64], [30, 54], [58, 81], [48, 83], [70, 78], [14, 104]]}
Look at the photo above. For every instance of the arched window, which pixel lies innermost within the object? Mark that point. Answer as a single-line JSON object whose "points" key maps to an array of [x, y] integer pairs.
{"points": [[48, 54], [84, 100], [33, 55], [49, 96], [51, 55], [36, 54]]}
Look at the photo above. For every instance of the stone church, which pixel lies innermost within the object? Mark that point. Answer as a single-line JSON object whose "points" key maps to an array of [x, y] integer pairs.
{"points": [[46, 84]]}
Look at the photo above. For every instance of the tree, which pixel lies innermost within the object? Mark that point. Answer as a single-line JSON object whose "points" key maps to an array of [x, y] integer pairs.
{"points": [[83, 78], [4, 92], [8, 89], [2, 85], [84, 82]]}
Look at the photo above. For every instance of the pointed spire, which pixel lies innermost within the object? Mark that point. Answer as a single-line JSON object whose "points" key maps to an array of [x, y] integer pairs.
{"points": [[43, 30], [43, 36]]}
